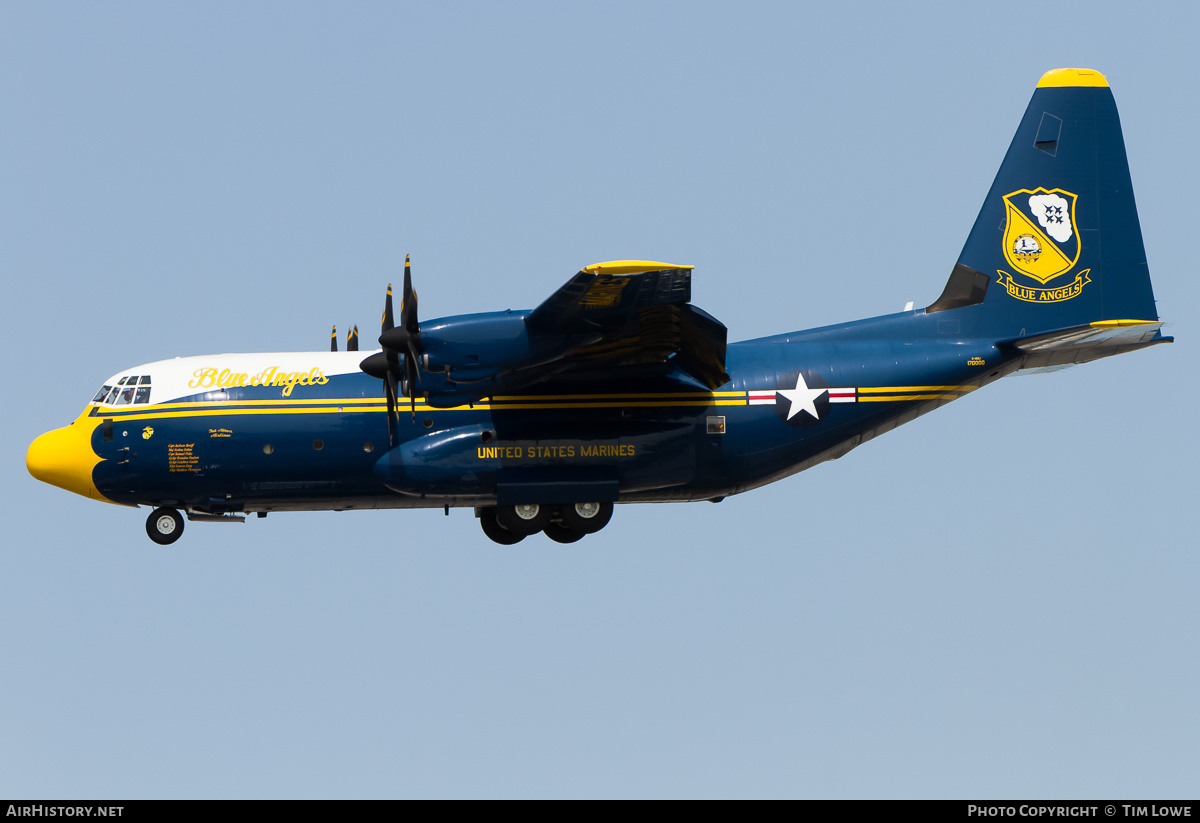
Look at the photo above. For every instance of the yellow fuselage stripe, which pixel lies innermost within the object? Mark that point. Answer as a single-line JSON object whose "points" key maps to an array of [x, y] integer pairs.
{"points": [[380, 407], [896, 397], [909, 389], [211, 408], [693, 394]]}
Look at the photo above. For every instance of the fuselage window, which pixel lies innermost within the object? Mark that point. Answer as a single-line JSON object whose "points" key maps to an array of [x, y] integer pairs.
{"points": [[125, 398], [112, 395], [121, 382], [103, 393], [145, 380], [143, 395]]}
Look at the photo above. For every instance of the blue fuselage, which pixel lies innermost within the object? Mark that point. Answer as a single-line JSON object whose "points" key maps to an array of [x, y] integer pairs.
{"points": [[794, 400]]}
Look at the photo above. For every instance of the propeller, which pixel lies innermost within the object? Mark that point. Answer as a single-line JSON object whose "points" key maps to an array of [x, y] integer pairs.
{"points": [[398, 374], [406, 338], [333, 340]]}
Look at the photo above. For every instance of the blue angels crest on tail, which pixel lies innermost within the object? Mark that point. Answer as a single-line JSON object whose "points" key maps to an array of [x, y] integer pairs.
{"points": [[1059, 229], [1041, 242]]}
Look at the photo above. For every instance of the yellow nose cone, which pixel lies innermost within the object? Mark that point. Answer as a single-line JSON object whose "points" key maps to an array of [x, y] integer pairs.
{"points": [[64, 458]]}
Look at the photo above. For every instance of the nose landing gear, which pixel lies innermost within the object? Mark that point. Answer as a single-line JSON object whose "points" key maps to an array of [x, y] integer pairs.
{"points": [[567, 523], [164, 526]]}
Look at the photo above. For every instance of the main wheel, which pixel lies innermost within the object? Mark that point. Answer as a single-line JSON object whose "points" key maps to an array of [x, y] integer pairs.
{"points": [[561, 534], [495, 532], [164, 526], [586, 518], [525, 519]]}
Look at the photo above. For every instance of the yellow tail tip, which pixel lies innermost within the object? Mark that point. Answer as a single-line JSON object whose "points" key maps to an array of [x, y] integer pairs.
{"points": [[1072, 77]]}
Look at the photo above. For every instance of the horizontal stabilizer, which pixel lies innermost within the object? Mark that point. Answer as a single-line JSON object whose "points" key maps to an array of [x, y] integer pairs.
{"points": [[1083, 344]]}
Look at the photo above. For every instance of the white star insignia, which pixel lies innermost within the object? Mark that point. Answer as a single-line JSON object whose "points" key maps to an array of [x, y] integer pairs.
{"points": [[802, 398]]}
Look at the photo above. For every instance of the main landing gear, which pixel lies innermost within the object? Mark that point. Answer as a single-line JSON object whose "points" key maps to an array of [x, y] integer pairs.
{"points": [[567, 523], [164, 526]]}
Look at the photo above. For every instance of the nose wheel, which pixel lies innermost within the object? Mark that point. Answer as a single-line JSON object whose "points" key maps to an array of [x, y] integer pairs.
{"points": [[164, 526]]}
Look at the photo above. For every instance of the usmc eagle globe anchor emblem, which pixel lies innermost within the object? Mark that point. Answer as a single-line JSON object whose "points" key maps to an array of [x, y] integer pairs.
{"points": [[1041, 242]]}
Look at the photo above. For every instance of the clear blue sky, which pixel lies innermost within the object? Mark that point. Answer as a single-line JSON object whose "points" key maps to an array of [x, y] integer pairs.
{"points": [[996, 600]]}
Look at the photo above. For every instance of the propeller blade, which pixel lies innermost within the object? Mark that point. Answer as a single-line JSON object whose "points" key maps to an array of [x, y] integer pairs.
{"points": [[411, 375], [393, 368], [351, 339], [390, 380], [412, 327], [389, 322], [408, 302], [333, 339], [389, 388]]}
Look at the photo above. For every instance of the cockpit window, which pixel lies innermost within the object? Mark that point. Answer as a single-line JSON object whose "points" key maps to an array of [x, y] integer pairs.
{"points": [[129, 389]]}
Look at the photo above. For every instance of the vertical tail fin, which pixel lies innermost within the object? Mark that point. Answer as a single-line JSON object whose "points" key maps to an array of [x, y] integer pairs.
{"points": [[1057, 244]]}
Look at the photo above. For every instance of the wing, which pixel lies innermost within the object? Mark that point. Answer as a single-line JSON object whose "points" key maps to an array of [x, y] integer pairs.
{"points": [[639, 313], [628, 318], [605, 295]]}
